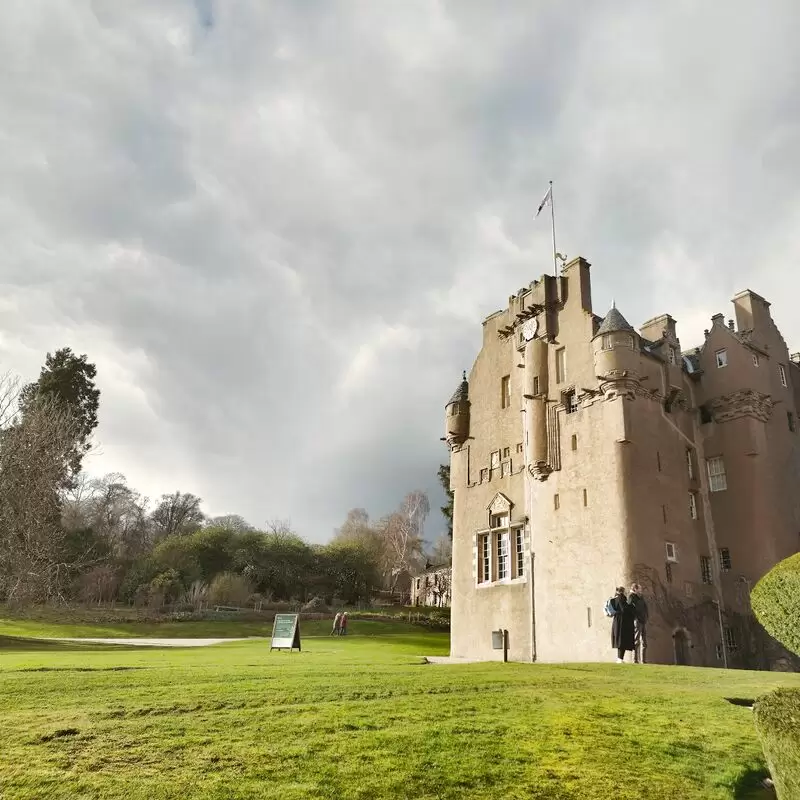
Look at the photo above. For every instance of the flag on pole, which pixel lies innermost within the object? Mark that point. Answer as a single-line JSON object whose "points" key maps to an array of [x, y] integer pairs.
{"points": [[547, 198]]}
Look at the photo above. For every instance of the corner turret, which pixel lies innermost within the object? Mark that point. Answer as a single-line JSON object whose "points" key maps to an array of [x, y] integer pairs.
{"points": [[457, 415], [616, 354]]}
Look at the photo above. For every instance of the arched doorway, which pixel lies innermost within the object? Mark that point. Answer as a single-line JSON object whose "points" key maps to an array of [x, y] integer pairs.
{"points": [[681, 643]]}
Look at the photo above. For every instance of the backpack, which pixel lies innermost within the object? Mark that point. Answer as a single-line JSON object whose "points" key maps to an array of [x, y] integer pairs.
{"points": [[610, 609]]}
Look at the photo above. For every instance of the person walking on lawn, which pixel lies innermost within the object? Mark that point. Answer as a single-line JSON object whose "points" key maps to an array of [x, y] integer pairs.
{"points": [[336, 624], [343, 624], [622, 633], [639, 606]]}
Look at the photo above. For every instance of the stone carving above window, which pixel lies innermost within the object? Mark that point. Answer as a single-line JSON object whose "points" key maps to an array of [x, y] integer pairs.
{"points": [[500, 504], [744, 403]]}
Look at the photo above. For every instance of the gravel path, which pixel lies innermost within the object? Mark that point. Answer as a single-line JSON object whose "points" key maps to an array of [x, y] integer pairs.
{"points": [[158, 642]]}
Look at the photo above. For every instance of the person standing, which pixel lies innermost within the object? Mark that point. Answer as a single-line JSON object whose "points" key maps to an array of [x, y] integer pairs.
{"points": [[343, 624], [640, 613], [336, 624], [622, 633]]}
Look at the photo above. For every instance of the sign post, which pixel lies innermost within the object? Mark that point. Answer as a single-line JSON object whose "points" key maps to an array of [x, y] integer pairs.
{"points": [[286, 632]]}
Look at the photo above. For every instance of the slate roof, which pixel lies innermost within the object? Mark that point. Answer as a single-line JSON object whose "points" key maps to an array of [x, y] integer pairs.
{"points": [[613, 322], [462, 393]]}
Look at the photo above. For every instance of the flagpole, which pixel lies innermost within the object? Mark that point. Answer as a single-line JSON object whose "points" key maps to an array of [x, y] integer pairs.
{"points": [[553, 220]]}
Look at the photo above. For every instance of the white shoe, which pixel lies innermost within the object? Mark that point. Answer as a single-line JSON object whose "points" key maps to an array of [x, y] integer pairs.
{"points": [[620, 661]]}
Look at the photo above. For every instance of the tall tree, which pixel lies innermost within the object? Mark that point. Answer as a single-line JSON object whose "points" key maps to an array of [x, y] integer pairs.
{"points": [[447, 510], [402, 532], [67, 381], [177, 513], [35, 564]]}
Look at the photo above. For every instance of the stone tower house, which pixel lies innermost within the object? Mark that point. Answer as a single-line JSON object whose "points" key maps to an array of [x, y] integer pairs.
{"points": [[585, 454]]}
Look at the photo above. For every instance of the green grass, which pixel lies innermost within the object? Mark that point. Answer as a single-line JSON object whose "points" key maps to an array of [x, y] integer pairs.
{"points": [[198, 629], [363, 717]]}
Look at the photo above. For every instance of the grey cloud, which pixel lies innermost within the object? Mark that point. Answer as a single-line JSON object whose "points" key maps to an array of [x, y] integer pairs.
{"points": [[291, 217]]}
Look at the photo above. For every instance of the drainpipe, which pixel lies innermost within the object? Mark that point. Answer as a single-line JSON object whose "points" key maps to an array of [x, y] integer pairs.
{"points": [[697, 446], [528, 495]]}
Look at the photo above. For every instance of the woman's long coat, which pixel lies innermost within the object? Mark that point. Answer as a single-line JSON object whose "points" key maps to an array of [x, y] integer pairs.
{"points": [[622, 625]]}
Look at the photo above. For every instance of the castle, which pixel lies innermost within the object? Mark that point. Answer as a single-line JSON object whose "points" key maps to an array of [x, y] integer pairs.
{"points": [[585, 454]]}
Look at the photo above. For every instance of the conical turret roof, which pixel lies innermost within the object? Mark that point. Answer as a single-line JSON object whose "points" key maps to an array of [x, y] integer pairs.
{"points": [[613, 322], [462, 393]]}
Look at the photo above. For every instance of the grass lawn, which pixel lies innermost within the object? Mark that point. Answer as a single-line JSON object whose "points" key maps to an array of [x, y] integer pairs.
{"points": [[55, 627], [363, 717]]}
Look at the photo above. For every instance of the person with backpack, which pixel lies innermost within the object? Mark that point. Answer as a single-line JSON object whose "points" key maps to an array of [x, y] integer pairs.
{"points": [[622, 632], [640, 613]]}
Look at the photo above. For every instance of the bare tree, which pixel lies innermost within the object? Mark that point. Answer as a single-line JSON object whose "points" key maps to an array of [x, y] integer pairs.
{"points": [[402, 532], [177, 513], [9, 399], [33, 450]]}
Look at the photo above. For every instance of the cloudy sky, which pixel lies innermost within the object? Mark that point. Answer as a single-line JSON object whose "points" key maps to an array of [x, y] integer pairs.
{"points": [[275, 226]]}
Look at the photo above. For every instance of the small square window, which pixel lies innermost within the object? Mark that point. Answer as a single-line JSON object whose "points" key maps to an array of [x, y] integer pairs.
{"points": [[672, 551], [782, 373], [721, 357], [705, 569], [755, 359], [519, 447], [570, 401], [692, 505], [725, 559], [506, 452], [556, 502], [484, 475]]}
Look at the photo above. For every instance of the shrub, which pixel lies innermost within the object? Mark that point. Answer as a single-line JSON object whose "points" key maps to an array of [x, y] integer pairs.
{"points": [[777, 718], [229, 589], [776, 602]]}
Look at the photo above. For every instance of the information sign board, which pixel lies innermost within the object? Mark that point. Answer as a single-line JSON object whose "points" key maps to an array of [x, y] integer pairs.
{"points": [[285, 632]]}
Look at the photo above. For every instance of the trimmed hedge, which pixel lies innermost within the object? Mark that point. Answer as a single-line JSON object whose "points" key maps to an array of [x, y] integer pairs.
{"points": [[776, 602], [777, 718]]}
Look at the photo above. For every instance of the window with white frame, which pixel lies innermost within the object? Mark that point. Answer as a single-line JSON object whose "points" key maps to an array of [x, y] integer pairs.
{"points": [[725, 559], [692, 505], [561, 365], [717, 479], [498, 521], [721, 357], [519, 550], [705, 569], [782, 374], [484, 559], [671, 551], [502, 556]]}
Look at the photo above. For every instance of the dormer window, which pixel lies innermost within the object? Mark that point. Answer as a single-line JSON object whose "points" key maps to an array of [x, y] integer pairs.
{"points": [[721, 357]]}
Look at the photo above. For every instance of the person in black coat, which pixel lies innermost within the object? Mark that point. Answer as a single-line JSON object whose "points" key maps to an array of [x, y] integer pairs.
{"points": [[622, 633]]}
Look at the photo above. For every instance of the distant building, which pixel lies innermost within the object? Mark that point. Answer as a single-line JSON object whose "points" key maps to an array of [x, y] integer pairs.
{"points": [[432, 587], [586, 454]]}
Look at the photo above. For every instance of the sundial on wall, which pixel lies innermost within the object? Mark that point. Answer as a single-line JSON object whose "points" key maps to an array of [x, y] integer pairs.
{"points": [[530, 328]]}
